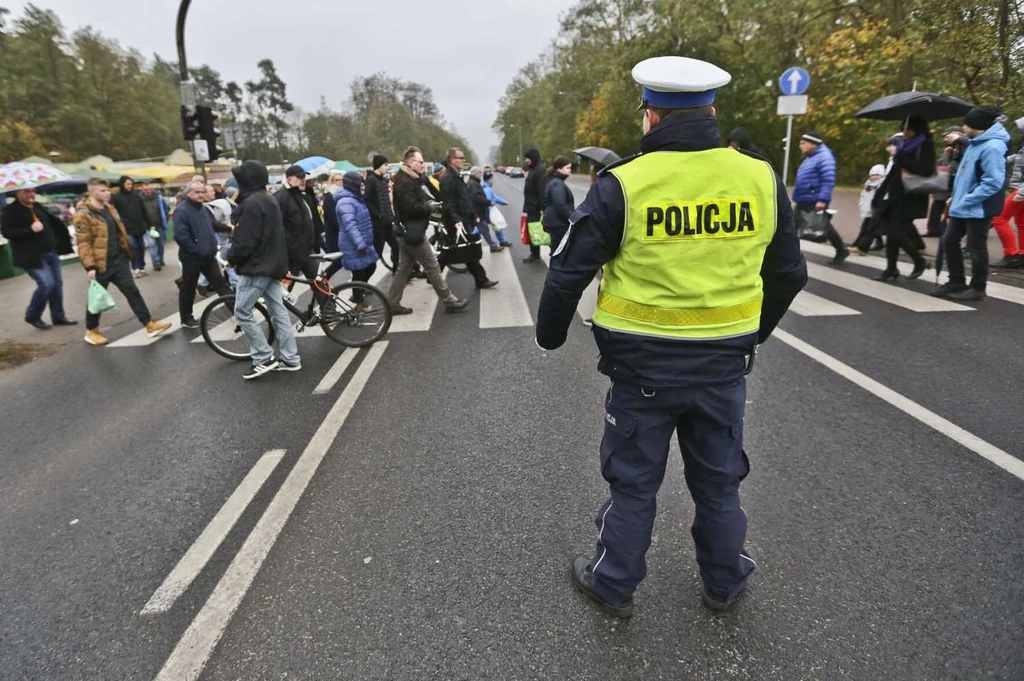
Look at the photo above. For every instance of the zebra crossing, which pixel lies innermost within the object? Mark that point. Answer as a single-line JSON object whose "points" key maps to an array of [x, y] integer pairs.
{"points": [[506, 305]]}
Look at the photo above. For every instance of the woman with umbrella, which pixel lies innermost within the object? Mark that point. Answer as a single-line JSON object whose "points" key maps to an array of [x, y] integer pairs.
{"points": [[897, 208]]}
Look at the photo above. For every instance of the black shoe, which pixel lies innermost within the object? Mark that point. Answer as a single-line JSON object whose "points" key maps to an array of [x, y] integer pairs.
{"points": [[947, 289], [419, 274], [919, 269], [38, 323], [967, 294], [177, 282], [877, 246], [397, 310], [888, 275], [1010, 262], [715, 604], [190, 324], [257, 370], [496, 249], [532, 258], [487, 284], [65, 322], [456, 305], [157, 268], [841, 256], [583, 577], [203, 291]]}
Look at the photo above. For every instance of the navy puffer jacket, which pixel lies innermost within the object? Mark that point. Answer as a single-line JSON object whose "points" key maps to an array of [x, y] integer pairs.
{"points": [[355, 231]]}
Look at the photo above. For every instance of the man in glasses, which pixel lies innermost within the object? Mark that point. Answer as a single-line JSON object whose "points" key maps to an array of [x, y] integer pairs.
{"points": [[458, 212]]}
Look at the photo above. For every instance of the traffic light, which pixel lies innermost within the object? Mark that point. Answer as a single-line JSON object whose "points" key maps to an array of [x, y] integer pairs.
{"points": [[189, 123], [208, 131]]}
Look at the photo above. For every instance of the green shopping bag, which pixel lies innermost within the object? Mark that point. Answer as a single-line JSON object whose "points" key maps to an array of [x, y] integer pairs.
{"points": [[100, 299], [538, 237]]}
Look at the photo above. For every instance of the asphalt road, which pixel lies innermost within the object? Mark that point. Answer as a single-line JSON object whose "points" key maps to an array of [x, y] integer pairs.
{"points": [[430, 537]]}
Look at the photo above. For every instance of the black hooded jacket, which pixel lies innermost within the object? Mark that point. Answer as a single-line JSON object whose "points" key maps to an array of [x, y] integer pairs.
{"points": [[130, 207], [318, 222], [298, 223], [258, 243], [533, 190], [743, 138], [594, 240]]}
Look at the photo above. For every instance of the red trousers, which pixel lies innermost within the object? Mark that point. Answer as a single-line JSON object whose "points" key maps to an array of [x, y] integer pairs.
{"points": [[1012, 244]]}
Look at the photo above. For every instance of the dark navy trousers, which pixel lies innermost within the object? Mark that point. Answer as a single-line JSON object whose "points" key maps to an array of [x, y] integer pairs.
{"points": [[639, 424]]}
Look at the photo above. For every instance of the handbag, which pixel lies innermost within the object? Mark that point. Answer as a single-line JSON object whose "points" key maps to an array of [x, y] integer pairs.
{"points": [[99, 298], [538, 237], [524, 230], [497, 220], [458, 251], [812, 225], [916, 184], [414, 231]]}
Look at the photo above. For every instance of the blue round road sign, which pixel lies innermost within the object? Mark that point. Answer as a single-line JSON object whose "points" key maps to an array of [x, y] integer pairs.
{"points": [[795, 81]]}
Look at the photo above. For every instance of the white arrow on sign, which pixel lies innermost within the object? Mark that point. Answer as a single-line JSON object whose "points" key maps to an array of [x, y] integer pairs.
{"points": [[794, 82]]}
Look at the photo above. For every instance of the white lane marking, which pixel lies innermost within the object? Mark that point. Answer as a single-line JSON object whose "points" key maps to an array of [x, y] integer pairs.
{"points": [[809, 305], [335, 373], [588, 301], [1010, 294], [505, 304], [199, 554], [191, 653], [140, 338], [1009, 463], [887, 293], [421, 297]]}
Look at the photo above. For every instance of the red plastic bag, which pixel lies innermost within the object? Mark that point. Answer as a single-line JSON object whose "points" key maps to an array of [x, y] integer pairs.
{"points": [[524, 231]]}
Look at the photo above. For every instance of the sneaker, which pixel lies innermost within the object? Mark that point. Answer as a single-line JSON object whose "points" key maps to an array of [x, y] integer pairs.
{"points": [[190, 324], [397, 310], [155, 328], [257, 370], [947, 289], [456, 305], [487, 284], [136, 274], [285, 366], [967, 294], [1010, 262], [583, 578], [38, 323], [141, 273], [94, 337], [588, 322]]}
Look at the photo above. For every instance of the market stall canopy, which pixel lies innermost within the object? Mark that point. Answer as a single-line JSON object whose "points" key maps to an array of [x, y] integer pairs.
{"points": [[157, 171], [98, 162], [345, 166]]}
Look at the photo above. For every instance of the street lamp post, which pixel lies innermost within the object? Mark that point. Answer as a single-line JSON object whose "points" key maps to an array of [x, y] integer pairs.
{"points": [[519, 159], [188, 88]]}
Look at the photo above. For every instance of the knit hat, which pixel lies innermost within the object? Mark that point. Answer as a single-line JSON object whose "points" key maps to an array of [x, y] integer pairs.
{"points": [[488, 176], [813, 136], [982, 117], [353, 182], [378, 161], [437, 168]]}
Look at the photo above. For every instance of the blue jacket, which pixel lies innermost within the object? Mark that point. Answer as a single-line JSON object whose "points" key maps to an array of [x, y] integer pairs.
{"points": [[987, 154], [193, 231], [594, 239], [489, 191], [355, 231], [816, 177]]}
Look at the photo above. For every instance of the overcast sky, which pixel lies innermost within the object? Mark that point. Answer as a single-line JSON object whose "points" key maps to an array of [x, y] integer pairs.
{"points": [[466, 50]]}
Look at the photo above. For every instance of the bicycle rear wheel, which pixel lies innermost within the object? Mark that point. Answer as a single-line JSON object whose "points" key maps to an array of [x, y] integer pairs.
{"points": [[222, 332], [356, 324]]}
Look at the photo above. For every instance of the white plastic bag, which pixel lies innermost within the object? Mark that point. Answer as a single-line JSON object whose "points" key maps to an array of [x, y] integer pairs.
{"points": [[498, 223]]}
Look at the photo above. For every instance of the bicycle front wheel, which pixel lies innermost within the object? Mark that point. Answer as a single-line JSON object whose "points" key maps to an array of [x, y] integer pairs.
{"points": [[356, 315], [222, 332]]}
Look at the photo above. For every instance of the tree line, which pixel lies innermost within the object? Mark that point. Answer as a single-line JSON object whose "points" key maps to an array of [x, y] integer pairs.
{"points": [[580, 93], [83, 94]]}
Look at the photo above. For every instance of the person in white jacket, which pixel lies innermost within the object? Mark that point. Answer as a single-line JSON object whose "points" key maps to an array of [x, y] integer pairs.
{"points": [[870, 236]]}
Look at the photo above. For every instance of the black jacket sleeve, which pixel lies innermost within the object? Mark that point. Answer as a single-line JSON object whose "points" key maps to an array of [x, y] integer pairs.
{"points": [[387, 213], [783, 271], [11, 225], [245, 240], [595, 233], [410, 201], [370, 194]]}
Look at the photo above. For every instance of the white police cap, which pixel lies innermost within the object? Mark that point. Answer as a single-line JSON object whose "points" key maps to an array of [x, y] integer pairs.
{"points": [[678, 82]]}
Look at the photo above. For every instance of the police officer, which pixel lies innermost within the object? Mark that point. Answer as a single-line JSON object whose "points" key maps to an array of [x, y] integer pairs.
{"points": [[701, 260]]}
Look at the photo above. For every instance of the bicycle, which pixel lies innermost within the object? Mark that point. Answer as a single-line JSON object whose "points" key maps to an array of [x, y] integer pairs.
{"points": [[357, 321]]}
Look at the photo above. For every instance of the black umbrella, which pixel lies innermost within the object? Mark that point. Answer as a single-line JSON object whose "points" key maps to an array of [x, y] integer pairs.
{"points": [[599, 155], [906, 105]]}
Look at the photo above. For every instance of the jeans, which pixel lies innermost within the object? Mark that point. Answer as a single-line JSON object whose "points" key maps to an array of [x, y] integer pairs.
{"points": [[119, 274], [190, 271], [976, 230], [138, 244], [49, 289], [484, 227], [156, 249], [409, 255], [249, 290]]}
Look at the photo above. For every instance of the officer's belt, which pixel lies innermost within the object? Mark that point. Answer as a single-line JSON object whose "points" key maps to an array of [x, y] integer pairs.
{"points": [[708, 316]]}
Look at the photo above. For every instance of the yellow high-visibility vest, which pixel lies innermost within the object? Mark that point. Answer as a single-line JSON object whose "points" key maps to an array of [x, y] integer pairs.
{"points": [[697, 227]]}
